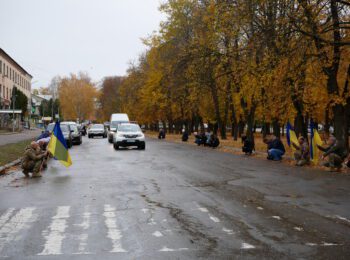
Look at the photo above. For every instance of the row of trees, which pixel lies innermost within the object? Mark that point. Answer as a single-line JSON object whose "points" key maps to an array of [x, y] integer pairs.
{"points": [[244, 62]]}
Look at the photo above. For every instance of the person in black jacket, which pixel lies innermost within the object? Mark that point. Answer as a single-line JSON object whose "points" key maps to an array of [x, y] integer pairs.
{"points": [[213, 141], [248, 145], [161, 134], [275, 148], [184, 135]]}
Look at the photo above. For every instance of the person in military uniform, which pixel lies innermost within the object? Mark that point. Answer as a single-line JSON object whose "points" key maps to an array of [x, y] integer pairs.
{"points": [[33, 160]]}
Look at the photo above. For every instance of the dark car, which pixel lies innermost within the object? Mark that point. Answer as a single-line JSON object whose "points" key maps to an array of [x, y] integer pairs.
{"points": [[66, 131], [76, 134], [97, 130]]}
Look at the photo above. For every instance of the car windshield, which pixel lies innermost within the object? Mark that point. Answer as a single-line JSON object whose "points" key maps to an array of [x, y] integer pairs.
{"points": [[129, 128], [97, 127], [115, 124]]}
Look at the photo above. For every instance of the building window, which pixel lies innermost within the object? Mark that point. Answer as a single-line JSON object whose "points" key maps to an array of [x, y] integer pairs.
{"points": [[0, 68]]}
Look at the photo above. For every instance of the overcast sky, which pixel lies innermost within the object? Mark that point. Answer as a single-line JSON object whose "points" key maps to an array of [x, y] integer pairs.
{"points": [[57, 37]]}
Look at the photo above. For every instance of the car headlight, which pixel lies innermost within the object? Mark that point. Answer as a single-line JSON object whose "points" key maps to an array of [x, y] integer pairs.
{"points": [[120, 135], [140, 135]]}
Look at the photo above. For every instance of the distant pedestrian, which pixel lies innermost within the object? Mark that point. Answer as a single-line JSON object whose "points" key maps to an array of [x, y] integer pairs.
{"points": [[275, 148], [302, 153], [336, 153], [214, 141], [248, 145], [161, 134], [184, 135]]}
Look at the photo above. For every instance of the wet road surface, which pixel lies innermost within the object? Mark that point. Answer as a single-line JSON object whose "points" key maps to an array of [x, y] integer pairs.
{"points": [[173, 201]]}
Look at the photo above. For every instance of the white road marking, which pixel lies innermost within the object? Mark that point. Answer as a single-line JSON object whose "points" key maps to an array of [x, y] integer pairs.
{"points": [[260, 208], [213, 218], [299, 229], [276, 217], [55, 233], [114, 234], [203, 209], [83, 238], [11, 227], [6, 216], [166, 249], [323, 244], [247, 246], [228, 231], [145, 210], [152, 222], [157, 234]]}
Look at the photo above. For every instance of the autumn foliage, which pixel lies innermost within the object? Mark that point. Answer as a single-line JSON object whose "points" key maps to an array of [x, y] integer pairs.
{"points": [[78, 97], [244, 63]]}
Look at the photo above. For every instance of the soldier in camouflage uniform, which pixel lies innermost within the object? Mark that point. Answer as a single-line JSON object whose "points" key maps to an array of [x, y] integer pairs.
{"points": [[33, 160]]}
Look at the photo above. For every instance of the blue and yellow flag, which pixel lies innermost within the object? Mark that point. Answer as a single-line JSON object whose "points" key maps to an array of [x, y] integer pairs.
{"points": [[315, 140], [291, 136], [58, 146]]}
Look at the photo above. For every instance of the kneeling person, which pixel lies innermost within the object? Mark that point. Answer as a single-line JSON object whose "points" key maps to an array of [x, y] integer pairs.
{"points": [[302, 154], [32, 160]]}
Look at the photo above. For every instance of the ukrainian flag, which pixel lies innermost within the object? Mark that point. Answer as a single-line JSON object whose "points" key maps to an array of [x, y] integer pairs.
{"points": [[291, 136], [315, 141], [58, 146]]}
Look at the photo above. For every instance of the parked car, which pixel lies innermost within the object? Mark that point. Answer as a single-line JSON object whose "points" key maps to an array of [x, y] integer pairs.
{"points": [[76, 134], [116, 119], [129, 135], [66, 131], [97, 130]]}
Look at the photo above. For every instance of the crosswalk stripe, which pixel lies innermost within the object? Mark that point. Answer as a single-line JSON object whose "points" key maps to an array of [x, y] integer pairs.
{"points": [[55, 233], [5, 217], [114, 234], [83, 238], [11, 227]]}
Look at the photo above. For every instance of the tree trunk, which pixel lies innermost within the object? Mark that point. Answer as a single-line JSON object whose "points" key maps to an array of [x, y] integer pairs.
{"points": [[276, 128]]}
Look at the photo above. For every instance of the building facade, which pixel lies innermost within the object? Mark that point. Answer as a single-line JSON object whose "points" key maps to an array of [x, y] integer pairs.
{"points": [[12, 75]]}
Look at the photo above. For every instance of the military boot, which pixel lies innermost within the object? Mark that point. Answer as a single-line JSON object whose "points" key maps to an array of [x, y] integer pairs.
{"points": [[26, 173], [36, 175]]}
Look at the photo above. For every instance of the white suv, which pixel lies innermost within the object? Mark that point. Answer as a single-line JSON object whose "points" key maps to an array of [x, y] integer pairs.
{"points": [[129, 135]]}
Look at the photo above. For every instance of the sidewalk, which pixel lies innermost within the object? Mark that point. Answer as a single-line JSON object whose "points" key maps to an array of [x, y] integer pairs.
{"points": [[26, 134]]}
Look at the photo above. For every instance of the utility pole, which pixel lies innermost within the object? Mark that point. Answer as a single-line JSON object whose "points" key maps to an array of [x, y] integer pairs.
{"points": [[13, 107]]}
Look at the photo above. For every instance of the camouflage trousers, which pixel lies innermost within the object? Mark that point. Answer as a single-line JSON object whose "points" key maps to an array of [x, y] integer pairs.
{"points": [[300, 161], [32, 166], [335, 161]]}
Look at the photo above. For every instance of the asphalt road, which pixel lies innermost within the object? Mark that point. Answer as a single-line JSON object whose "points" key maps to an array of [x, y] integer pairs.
{"points": [[173, 201]]}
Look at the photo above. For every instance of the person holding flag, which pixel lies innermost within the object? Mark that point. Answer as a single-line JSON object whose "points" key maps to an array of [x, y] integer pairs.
{"points": [[299, 146], [336, 153], [58, 146]]}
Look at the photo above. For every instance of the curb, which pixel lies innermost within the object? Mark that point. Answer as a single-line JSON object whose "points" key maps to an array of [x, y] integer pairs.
{"points": [[9, 165]]}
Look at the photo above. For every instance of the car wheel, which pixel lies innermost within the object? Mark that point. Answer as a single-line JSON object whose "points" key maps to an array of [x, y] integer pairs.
{"points": [[89, 136], [110, 140], [105, 136], [116, 147], [142, 147]]}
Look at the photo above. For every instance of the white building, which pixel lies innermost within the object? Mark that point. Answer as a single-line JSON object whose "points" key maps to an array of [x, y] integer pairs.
{"points": [[36, 102], [12, 75]]}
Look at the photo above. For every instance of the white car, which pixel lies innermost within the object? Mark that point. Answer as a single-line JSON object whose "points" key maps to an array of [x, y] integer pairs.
{"points": [[129, 135]]}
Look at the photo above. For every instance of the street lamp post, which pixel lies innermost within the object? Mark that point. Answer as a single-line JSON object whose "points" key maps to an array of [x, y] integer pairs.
{"points": [[13, 114]]}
